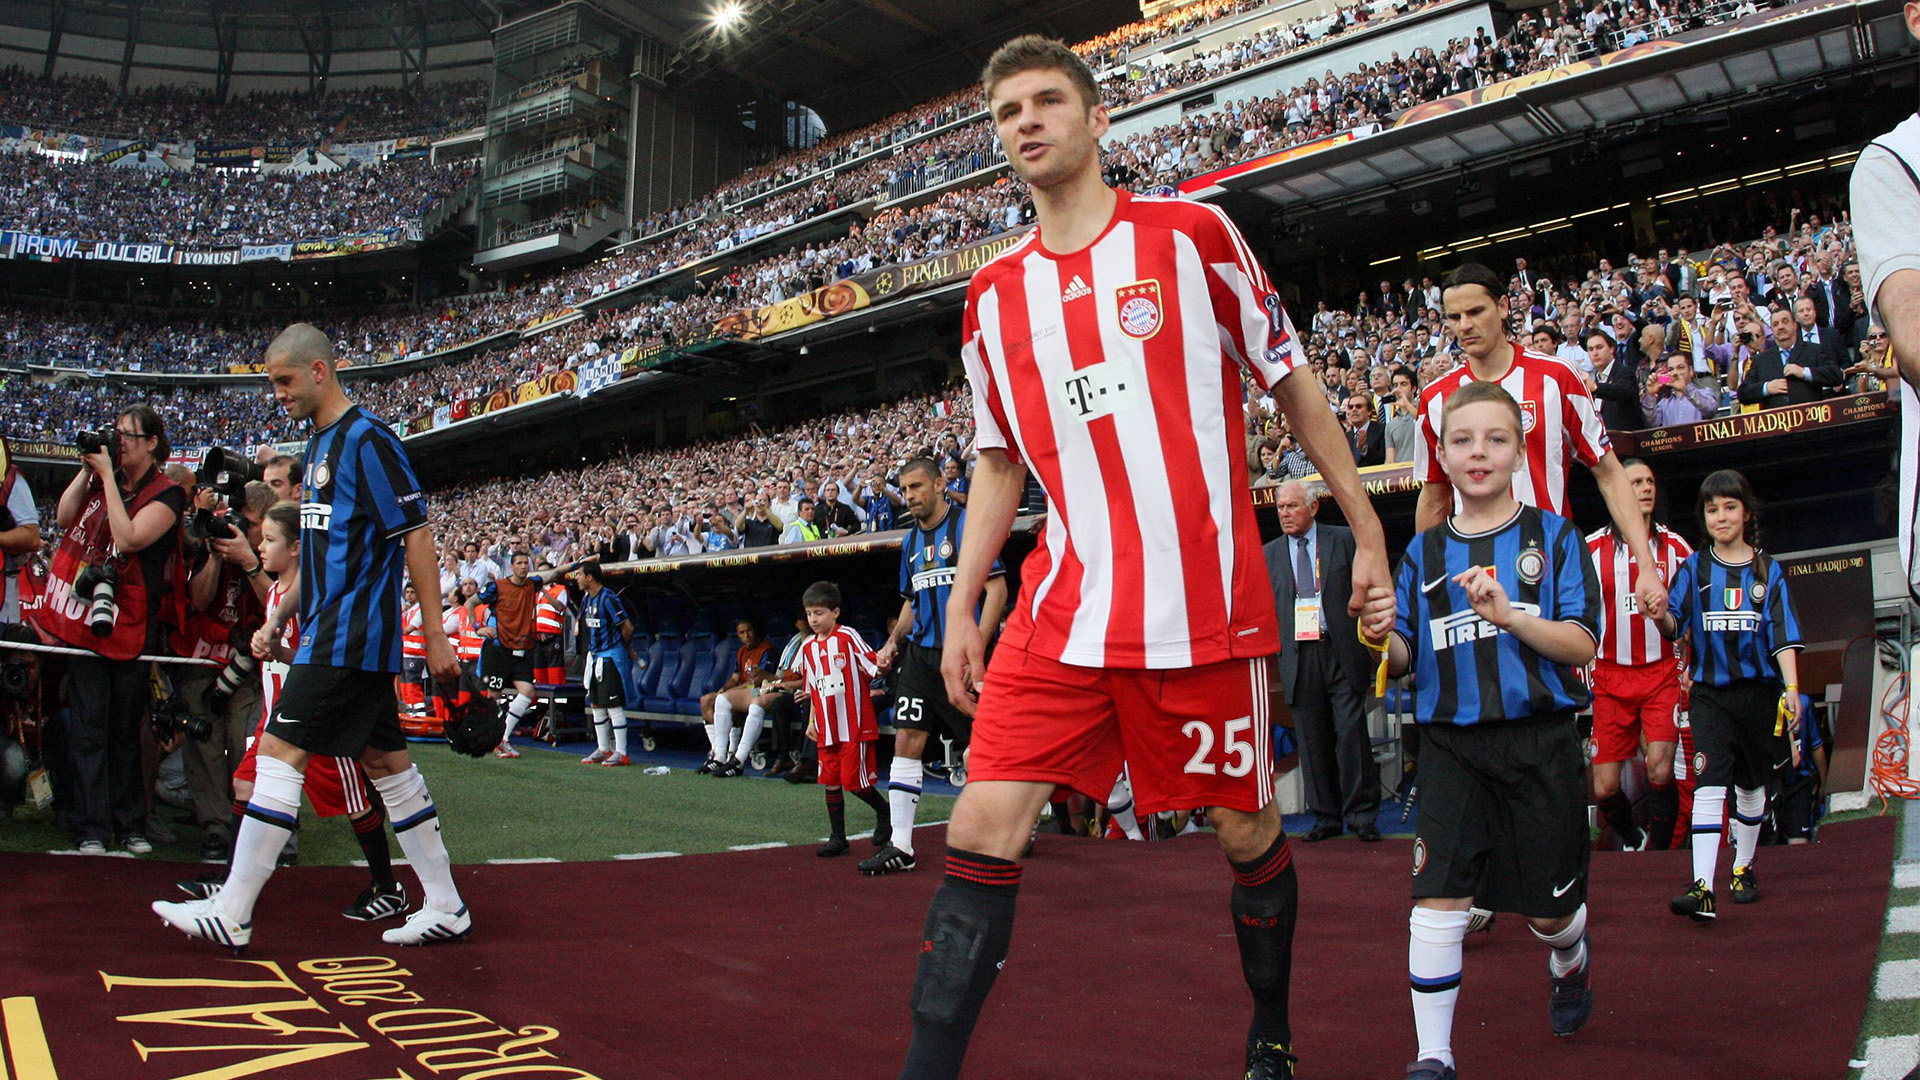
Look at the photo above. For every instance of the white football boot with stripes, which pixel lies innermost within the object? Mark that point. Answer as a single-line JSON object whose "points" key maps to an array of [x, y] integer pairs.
{"points": [[201, 919], [426, 926]]}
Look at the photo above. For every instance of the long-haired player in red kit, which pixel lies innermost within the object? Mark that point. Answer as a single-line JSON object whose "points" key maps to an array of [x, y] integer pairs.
{"points": [[1105, 353], [337, 787]]}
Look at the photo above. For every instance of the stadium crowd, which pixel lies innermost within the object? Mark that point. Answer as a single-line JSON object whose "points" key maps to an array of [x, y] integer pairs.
{"points": [[216, 207], [89, 105]]}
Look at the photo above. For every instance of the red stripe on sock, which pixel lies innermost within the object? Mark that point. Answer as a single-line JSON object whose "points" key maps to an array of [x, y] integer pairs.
{"points": [[370, 822], [1267, 869]]}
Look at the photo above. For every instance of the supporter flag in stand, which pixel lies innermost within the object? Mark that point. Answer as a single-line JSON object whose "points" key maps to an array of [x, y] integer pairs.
{"points": [[443, 416], [460, 409], [603, 370]]}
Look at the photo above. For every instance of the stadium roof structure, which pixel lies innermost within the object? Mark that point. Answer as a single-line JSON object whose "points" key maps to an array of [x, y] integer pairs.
{"points": [[855, 61]]}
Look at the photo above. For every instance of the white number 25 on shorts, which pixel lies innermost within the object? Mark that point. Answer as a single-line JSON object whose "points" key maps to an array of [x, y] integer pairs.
{"points": [[1239, 750]]}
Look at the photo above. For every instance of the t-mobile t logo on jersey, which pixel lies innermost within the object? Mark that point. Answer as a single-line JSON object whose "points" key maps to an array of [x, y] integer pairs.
{"points": [[316, 516], [1100, 390], [1075, 290]]}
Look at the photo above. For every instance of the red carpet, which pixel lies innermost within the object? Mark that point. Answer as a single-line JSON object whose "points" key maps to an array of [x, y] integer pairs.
{"points": [[777, 964]]}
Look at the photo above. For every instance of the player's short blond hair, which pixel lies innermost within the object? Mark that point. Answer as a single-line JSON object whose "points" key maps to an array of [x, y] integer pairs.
{"points": [[1035, 52]]}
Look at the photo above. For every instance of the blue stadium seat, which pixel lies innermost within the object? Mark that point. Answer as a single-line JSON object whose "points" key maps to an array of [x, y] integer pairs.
{"points": [[672, 686], [662, 661], [698, 679], [725, 652]]}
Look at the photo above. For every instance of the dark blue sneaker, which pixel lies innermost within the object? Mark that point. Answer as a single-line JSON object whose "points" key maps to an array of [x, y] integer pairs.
{"points": [[1572, 999], [1429, 1069]]}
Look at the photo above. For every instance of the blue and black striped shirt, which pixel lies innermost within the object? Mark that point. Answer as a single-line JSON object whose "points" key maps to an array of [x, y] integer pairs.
{"points": [[1466, 671], [928, 559], [1736, 618], [360, 499], [603, 612]]}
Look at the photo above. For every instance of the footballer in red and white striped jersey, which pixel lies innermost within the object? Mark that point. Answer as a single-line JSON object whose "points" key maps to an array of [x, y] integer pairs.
{"points": [[1113, 374], [1627, 637], [273, 673], [336, 786], [839, 669], [1557, 419]]}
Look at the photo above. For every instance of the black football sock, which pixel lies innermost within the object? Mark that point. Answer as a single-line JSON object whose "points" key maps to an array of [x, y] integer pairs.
{"points": [[371, 831], [837, 814], [969, 927], [1618, 810], [1663, 806], [1266, 900], [882, 817]]}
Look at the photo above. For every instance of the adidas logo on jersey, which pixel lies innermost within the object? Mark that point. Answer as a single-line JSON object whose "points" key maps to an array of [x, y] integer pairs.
{"points": [[1075, 290]]}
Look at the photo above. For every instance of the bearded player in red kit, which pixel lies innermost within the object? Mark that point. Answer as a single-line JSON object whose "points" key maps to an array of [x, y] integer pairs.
{"points": [[1105, 353]]}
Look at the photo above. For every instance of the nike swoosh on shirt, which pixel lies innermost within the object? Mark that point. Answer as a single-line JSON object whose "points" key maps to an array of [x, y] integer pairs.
{"points": [[1434, 584], [1562, 890]]}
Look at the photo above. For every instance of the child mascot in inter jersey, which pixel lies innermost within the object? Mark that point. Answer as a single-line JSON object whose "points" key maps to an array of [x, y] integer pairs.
{"points": [[1730, 602], [1498, 607]]}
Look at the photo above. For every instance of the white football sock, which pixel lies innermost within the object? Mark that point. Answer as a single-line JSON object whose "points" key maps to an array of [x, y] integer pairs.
{"points": [[618, 718], [904, 780], [750, 733], [417, 824], [1709, 805], [517, 710], [602, 733], [272, 813], [1749, 810], [722, 728], [1434, 949], [1568, 952], [1120, 805]]}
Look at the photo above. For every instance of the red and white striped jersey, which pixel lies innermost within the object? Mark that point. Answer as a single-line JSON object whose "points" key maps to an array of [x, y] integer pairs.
{"points": [[273, 673], [1626, 636], [1557, 420], [839, 671], [1112, 373]]}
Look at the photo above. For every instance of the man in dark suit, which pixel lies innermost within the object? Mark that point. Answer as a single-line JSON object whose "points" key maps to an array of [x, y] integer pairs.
{"points": [[1366, 440], [1616, 383], [1806, 316], [1790, 371], [1324, 669]]}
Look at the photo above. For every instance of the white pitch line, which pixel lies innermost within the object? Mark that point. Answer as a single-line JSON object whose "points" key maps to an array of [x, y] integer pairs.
{"points": [[1904, 920], [104, 854], [1897, 979], [519, 862], [396, 862], [1906, 877], [1891, 1058], [649, 855], [758, 847]]}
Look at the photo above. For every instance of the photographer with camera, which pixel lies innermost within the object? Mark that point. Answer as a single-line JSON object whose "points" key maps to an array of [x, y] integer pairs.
{"points": [[19, 533], [1672, 398], [114, 589], [226, 592]]}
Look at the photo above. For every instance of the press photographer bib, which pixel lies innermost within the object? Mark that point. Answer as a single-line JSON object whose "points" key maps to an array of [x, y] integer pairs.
{"points": [[53, 608]]}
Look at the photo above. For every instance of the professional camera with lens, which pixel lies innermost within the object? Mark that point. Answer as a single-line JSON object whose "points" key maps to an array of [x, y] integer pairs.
{"points": [[171, 716], [92, 442], [97, 587], [226, 474], [241, 666]]}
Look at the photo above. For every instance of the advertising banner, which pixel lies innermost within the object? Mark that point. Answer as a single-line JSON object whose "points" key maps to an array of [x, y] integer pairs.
{"points": [[227, 257], [333, 247], [1741, 427], [864, 290], [263, 252]]}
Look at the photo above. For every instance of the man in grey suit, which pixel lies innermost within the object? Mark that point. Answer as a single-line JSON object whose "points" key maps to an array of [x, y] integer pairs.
{"points": [[1324, 669]]}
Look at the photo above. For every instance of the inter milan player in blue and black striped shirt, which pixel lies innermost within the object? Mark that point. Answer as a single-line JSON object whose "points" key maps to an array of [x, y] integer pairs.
{"points": [[1497, 607], [362, 535], [1731, 604], [929, 555], [609, 666]]}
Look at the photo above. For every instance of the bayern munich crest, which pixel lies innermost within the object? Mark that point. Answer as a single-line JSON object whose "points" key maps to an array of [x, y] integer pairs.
{"points": [[1531, 566], [1138, 306], [1529, 416]]}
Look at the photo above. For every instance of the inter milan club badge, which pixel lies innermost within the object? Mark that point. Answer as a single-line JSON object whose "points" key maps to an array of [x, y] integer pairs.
{"points": [[1419, 856], [321, 474], [1138, 306], [1759, 591], [1531, 566], [946, 550]]}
